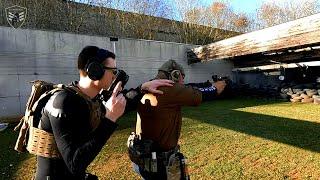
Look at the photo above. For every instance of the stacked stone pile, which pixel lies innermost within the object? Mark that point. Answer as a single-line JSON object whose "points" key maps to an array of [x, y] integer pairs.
{"points": [[305, 95]]}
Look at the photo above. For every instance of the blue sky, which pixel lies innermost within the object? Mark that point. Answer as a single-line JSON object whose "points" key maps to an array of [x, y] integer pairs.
{"points": [[247, 6], [239, 6], [244, 6], [250, 6]]}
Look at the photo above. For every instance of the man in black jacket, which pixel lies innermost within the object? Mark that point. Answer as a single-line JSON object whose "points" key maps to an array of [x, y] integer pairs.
{"points": [[67, 116]]}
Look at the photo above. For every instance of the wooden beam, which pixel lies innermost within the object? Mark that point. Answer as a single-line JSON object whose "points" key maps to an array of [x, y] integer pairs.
{"points": [[299, 33], [277, 66], [255, 60]]}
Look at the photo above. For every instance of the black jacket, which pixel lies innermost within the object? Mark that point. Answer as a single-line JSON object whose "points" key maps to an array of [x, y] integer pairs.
{"points": [[66, 115]]}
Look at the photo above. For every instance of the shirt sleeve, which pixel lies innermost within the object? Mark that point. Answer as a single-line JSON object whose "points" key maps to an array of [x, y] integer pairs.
{"points": [[208, 93], [183, 95], [133, 97], [64, 112]]}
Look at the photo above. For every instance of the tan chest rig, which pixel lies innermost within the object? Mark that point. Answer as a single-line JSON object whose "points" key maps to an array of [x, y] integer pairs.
{"points": [[38, 141]]}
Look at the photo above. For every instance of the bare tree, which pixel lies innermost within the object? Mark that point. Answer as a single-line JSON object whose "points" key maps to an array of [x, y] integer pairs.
{"points": [[273, 13], [143, 19], [205, 24], [240, 23]]}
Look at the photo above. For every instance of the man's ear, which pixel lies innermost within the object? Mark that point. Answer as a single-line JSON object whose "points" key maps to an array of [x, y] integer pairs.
{"points": [[83, 73], [175, 75]]}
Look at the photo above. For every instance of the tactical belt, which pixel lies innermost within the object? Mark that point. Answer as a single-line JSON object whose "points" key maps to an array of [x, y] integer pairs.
{"points": [[145, 159], [164, 156], [162, 160]]}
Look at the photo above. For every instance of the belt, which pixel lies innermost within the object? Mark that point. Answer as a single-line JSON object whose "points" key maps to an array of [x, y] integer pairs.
{"points": [[165, 155], [162, 160]]}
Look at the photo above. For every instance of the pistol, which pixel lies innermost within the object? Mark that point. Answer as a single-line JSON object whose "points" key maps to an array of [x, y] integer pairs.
{"points": [[120, 76]]}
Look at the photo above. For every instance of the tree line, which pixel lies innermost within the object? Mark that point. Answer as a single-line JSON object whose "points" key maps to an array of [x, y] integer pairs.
{"points": [[186, 21]]}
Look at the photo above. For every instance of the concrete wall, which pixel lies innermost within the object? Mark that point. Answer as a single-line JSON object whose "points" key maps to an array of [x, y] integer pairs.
{"points": [[27, 55]]}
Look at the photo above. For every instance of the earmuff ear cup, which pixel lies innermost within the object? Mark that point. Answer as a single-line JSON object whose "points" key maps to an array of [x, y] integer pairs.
{"points": [[175, 75], [95, 71]]}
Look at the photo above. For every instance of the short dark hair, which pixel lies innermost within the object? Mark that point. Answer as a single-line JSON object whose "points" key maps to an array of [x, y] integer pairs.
{"points": [[90, 52]]}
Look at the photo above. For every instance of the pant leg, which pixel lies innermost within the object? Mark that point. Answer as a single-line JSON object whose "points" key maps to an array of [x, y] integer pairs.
{"points": [[136, 169], [160, 175]]}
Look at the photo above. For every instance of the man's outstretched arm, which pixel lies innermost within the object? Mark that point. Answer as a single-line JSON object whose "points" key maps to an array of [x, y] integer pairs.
{"points": [[133, 96]]}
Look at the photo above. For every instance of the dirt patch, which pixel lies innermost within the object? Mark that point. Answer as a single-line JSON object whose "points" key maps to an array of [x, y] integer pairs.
{"points": [[113, 163]]}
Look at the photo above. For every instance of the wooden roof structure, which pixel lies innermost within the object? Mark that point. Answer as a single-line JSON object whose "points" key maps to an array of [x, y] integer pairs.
{"points": [[288, 42]]}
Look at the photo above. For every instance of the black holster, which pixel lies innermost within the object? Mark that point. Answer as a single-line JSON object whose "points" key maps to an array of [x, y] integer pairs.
{"points": [[139, 150]]}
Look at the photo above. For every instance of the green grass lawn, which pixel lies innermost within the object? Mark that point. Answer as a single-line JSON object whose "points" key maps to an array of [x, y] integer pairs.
{"points": [[225, 139]]}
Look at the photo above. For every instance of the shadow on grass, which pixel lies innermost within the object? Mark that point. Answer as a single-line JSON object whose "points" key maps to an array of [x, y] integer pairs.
{"points": [[129, 119], [10, 159], [221, 113], [298, 133]]}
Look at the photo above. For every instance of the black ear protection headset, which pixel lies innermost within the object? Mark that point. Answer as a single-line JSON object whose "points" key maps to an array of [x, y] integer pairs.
{"points": [[94, 66], [175, 75]]}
